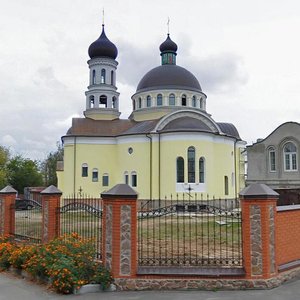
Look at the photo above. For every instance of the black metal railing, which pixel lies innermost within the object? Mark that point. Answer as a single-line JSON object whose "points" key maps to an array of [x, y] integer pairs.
{"points": [[82, 214], [187, 231], [28, 220]]}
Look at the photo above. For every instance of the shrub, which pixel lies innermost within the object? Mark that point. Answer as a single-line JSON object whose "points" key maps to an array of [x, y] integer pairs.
{"points": [[6, 248], [20, 255]]}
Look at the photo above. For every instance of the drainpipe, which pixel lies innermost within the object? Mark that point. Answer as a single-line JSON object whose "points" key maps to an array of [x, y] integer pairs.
{"points": [[234, 153], [150, 161], [159, 169], [74, 177]]}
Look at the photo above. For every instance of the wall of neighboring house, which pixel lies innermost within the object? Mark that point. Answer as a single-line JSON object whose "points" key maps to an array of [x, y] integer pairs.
{"points": [[259, 168]]}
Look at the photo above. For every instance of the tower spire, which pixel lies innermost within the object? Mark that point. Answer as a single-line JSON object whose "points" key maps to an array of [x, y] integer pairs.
{"points": [[168, 24], [103, 16]]}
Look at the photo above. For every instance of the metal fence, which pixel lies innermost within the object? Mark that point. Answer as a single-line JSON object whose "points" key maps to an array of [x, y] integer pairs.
{"points": [[28, 220], [187, 231], [83, 215]]}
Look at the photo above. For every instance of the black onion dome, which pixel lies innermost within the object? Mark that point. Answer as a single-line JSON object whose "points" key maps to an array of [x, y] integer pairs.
{"points": [[169, 76], [103, 47], [168, 45]]}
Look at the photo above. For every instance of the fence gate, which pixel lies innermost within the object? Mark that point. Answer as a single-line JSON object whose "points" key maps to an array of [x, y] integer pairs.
{"points": [[83, 215], [190, 232], [28, 220]]}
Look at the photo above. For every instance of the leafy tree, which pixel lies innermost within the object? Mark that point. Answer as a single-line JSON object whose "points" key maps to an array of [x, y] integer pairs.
{"points": [[23, 172], [48, 166], [4, 158]]}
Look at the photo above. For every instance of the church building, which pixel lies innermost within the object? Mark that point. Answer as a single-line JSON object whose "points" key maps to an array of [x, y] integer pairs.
{"points": [[169, 144]]}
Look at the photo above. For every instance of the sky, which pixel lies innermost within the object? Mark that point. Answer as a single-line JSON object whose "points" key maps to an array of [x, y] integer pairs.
{"points": [[245, 54]]}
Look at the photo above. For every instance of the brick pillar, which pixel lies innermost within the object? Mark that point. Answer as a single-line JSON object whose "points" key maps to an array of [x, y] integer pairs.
{"points": [[7, 210], [258, 203], [50, 214], [119, 231]]}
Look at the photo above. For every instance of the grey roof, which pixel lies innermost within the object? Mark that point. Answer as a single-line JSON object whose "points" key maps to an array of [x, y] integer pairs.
{"points": [[142, 127], [258, 190], [8, 190], [120, 190], [169, 76], [229, 129], [51, 190], [187, 124]]}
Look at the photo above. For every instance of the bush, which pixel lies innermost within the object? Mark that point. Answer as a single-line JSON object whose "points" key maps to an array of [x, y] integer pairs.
{"points": [[6, 248], [67, 261]]}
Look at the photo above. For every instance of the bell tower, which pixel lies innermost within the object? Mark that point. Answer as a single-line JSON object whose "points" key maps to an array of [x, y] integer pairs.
{"points": [[102, 98]]}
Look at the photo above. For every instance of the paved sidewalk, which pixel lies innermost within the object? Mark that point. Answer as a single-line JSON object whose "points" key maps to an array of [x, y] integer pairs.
{"points": [[13, 288]]}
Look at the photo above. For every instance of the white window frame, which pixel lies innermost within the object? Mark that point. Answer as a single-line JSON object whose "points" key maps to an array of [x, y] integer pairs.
{"points": [[272, 150], [290, 156]]}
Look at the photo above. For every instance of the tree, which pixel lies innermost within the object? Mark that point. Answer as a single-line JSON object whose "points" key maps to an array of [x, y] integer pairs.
{"points": [[23, 172], [4, 158], [48, 166]]}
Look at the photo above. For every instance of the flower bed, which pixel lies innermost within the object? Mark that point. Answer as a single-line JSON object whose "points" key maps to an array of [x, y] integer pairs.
{"points": [[66, 262]]}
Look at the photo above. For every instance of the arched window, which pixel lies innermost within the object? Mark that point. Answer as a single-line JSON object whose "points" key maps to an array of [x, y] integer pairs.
{"points": [[140, 103], [272, 159], [226, 185], [92, 101], [133, 104], [201, 103], [103, 75], [180, 169], [103, 101], [171, 99], [191, 164], [134, 179], [105, 180], [84, 170], [159, 100], [112, 79], [201, 170], [114, 102], [126, 177], [290, 157], [148, 101], [94, 77], [183, 100], [95, 175], [194, 101]]}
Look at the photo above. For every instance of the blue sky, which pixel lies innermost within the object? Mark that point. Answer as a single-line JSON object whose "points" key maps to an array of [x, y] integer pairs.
{"points": [[245, 55]]}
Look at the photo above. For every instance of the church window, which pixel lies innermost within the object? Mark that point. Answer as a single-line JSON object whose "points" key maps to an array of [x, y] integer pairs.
{"points": [[112, 79], [180, 169], [95, 175], [105, 180], [194, 100], [94, 77], [114, 102], [226, 187], [103, 75], [201, 170], [183, 100], [84, 170], [191, 164], [92, 101], [171, 99], [148, 101], [133, 104], [159, 100], [126, 177], [134, 179], [140, 102], [201, 103], [272, 162], [103, 101], [290, 157]]}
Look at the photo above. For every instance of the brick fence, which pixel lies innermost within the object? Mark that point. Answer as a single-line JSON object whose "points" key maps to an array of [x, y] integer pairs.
{"points": [[271, 240]]}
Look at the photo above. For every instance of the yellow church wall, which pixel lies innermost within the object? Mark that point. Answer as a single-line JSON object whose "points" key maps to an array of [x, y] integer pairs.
{"points": [[114, 159]]}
